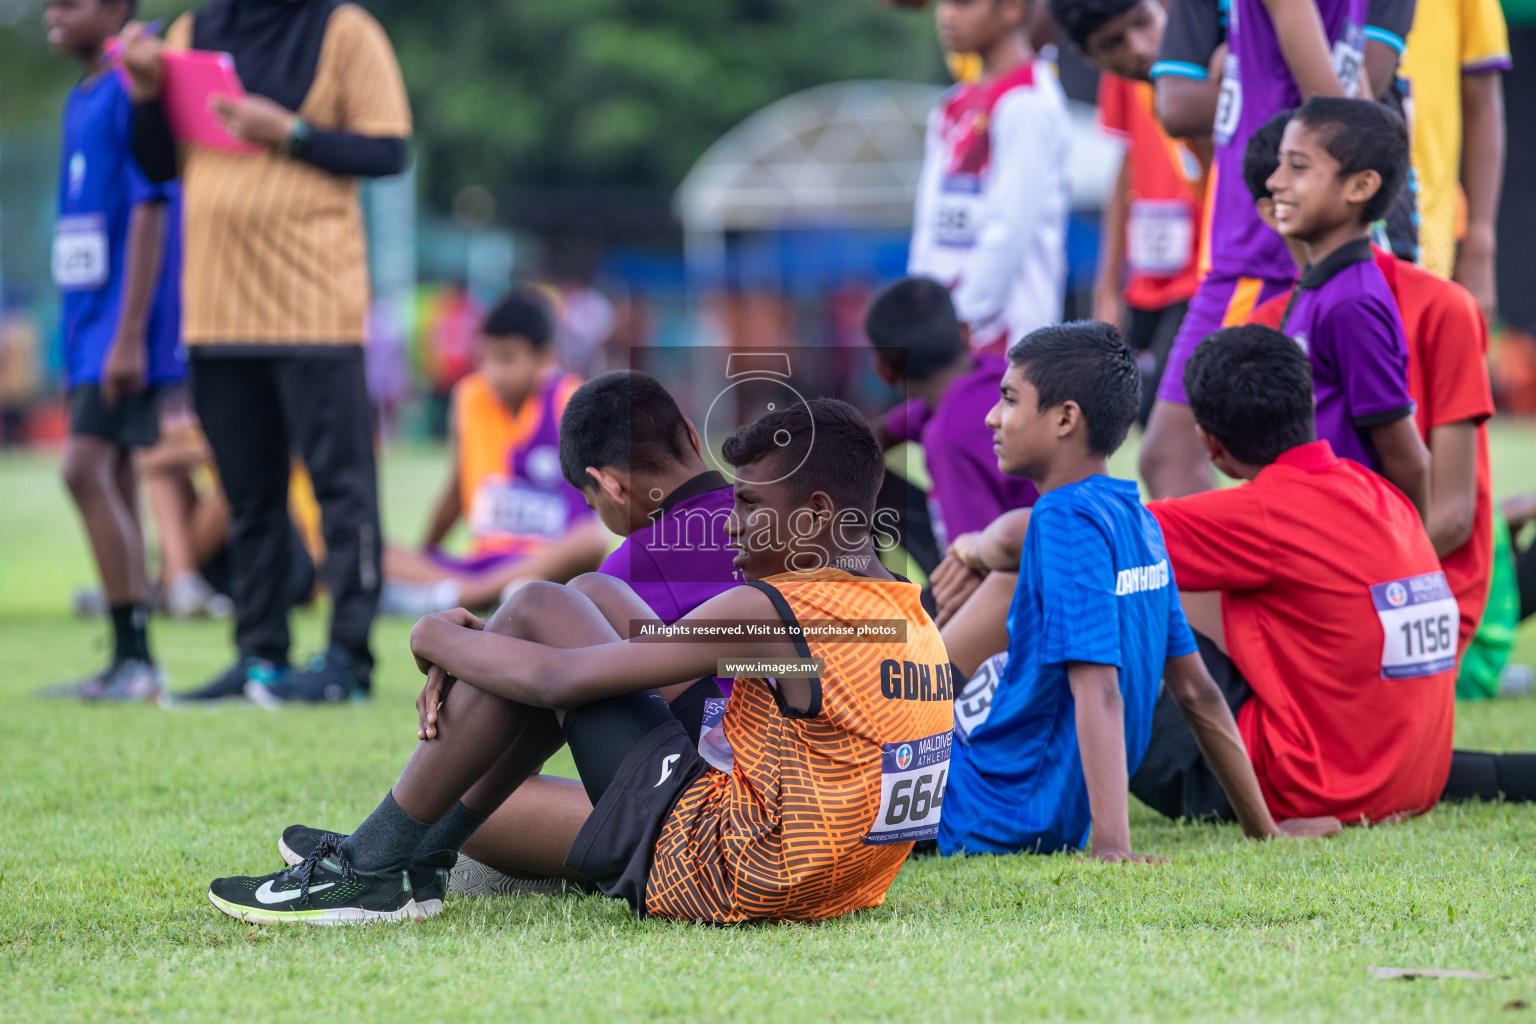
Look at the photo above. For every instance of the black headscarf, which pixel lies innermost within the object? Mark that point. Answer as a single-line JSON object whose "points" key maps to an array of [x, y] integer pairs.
{"points": [[275, 43]]}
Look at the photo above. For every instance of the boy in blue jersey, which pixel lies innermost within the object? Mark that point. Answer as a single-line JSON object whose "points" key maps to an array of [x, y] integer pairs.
{"points": [[115, 260], [1043, 760]]}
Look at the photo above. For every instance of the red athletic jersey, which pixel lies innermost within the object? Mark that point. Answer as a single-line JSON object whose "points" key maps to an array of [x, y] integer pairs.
{"points": [[1322, 565], [1445, 330], [1162, 232], [1448, 378]]}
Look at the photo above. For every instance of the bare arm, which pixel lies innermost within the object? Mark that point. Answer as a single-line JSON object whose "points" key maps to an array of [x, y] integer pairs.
{"points": [[1482, 178], [1452, 485], [124, 369], [1187, 106], [1404, 460], [1299, 29], [1108, 305], [553, 677], [1203, 706], [997, 548], [1380, 67], [1101, 740]]}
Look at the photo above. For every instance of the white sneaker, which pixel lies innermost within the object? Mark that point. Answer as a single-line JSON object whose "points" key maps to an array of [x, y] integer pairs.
{"points": [[190, 597]]}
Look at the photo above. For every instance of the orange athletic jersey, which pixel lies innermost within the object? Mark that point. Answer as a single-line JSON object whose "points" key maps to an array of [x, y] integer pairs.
{"points": [[1446, 332], [814, 819], [498, 449], [1165, 215]]}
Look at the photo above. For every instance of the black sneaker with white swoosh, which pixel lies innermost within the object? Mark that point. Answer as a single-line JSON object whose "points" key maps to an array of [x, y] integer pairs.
{"points": [[326, 889]]}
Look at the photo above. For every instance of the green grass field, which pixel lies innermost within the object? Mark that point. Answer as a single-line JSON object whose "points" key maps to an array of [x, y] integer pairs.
{"points": [[114, 819]]}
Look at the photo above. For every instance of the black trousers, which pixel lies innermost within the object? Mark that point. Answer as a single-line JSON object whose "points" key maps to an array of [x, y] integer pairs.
{"points": [[1525, 578], [1173, 777], [256, 410]]}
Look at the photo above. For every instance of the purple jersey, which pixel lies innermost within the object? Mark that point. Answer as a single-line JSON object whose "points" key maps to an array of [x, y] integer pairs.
{"points": [[683, 558], [969, 491], [515, 498], [1256, 85], [1345, 319]]}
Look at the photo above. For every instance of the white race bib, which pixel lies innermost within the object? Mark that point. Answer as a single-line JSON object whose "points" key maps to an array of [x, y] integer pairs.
{"points": [[80, 259], [957, 211], [912, 780], [1160, 236], [1349, 59], [504, 507], [1420, 618], [1229, 104], [713, 746], [974, 704]]}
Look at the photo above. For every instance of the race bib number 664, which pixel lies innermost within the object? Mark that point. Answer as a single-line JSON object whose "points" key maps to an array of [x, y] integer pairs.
{"points": [[1420, 619], [912, 779]]}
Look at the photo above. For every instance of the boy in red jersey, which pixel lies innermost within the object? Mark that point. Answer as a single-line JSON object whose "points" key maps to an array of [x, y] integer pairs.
{"points": [[1318, 580], [1448, 381]]}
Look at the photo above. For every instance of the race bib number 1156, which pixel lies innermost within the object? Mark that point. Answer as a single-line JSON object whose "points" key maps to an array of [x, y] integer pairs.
{"points": [[912, 779], [1420, 619]]}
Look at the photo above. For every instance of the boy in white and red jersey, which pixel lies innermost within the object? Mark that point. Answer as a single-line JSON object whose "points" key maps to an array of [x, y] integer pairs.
{"points": [[991, 215]]}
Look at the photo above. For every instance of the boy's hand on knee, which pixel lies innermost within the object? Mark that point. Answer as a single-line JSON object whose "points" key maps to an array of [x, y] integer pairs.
{"points": [[461, 617], [953, 583], [1310, 828], [430, 702], [965, 550]]}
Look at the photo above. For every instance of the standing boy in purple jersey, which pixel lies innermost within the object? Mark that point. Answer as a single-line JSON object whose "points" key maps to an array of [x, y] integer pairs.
{"points": [[1280, 51], [626, 445], [1342, 162], [920, 344]]}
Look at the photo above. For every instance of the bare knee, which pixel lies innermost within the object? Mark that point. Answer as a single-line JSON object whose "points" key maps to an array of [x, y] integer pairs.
{"points": [[86, 470], [596, 585], [519, 614]]}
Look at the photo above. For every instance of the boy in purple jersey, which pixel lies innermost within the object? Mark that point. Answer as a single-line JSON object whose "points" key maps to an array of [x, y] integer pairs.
{"points": [[626, 445], [1342, 162], [1279, 51], [920, 344], [116, 262]]}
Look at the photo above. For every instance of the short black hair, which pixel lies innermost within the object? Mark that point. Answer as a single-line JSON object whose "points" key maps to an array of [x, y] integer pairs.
{"points": [[1262, 157], [828, 440], [1250, 388], [1087, 363], [520, 313], [1362, 135], [913, 328], [625, 420], [1080, 19]]}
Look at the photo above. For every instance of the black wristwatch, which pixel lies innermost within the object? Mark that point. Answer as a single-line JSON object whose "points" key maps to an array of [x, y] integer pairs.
{"points": [[297, 138]]}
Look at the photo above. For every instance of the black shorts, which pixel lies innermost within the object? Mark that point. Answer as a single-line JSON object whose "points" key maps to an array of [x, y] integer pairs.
{"points": [[134, 422], [635, 758], [1152, 332], [1173, 777]]}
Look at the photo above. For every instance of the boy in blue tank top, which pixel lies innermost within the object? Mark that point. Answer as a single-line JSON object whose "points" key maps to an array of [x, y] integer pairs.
{"points": [[1049, 732], [116, 261]]}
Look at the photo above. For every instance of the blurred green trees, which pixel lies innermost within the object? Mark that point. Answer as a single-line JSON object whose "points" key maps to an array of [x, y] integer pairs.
{"points": [[579, 93]]}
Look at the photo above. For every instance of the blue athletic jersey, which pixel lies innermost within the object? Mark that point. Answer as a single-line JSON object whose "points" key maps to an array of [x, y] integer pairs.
{"points": [[99, 184], [1095, 585]]}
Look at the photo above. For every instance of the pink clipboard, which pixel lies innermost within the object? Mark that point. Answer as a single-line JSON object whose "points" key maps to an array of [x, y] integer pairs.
{"points": [[189, 80]]}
